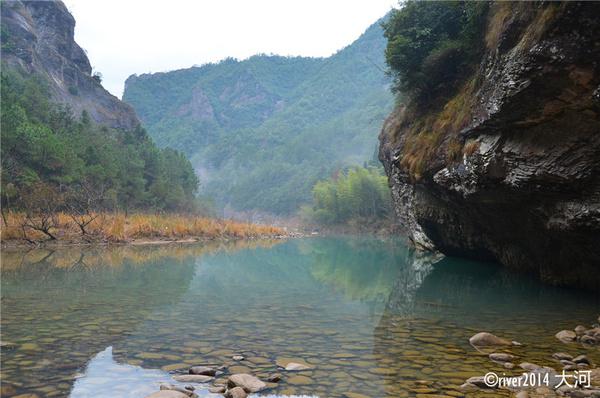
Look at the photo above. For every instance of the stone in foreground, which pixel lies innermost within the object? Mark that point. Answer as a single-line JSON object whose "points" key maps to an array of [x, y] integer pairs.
{"points": [[296, 366], [246, 381], [167, 394], [566, 335], [192, 378], [236, 392], [484, 339], [203, 370], [501, 357]]}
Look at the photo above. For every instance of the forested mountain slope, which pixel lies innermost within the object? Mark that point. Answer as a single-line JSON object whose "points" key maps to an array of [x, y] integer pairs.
{"points": [[260, 132], [66, 141]]}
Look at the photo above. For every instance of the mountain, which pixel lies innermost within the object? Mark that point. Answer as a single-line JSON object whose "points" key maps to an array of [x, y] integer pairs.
{"points": [[67, 142], [260, 132], [37, 36], [506, 166]]}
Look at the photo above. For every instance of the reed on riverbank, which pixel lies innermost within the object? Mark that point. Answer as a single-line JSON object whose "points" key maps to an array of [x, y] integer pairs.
{"points": [[121, 228]]}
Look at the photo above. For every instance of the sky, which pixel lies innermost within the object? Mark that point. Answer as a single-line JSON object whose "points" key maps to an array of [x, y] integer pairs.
{"points": [[125, 37]]}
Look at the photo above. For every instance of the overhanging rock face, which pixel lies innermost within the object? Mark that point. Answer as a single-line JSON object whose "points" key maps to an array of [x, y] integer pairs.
{"points": [[527, 191]]}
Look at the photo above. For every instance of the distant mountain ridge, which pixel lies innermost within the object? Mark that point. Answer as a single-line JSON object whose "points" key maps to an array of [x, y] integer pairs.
{"points": [[260, 132]]}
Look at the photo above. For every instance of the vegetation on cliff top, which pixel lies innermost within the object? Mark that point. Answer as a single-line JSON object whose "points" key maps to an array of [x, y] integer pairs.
{"points": [[432, 45], [432, 51]]}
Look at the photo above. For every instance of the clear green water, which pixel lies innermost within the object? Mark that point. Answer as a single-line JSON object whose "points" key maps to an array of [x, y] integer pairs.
{"points": [[367, 314]]}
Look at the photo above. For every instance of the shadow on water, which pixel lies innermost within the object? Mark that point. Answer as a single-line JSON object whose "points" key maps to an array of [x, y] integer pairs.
{"points": [[437, 304]]}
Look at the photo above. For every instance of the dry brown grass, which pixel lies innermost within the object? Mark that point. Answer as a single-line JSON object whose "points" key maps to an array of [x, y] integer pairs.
{"points": [[438, 130], [471, 147], [542, 21], [116, 227], [499, 15], [433, 135], [454, 150]]}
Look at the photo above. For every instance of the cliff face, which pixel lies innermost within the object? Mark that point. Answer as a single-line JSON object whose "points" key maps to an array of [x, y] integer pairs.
{"points": [[38, 37], [514, 175]]}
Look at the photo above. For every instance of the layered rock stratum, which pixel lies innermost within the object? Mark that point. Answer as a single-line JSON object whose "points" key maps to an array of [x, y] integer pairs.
{"points": [[508, 168]]}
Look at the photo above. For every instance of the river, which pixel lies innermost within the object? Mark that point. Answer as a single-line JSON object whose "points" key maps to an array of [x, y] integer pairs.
{"points": [[368, 316]]}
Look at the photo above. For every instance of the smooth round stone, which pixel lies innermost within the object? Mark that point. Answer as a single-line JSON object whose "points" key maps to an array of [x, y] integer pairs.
{"points": [[150, 355], [291, 366], [247, 382], [239, 369], [258, 360], [236, 392], [167, 394], [382, 371], [344, 355], [299, 380], [566, 335], [423, 390], [361, 376], [283, 362], [484, 339], [30, 347], [192, 378], [175, 366]]}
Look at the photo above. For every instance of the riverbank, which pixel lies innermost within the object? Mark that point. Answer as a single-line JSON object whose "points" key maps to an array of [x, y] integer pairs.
{"points": [[63, 229]]}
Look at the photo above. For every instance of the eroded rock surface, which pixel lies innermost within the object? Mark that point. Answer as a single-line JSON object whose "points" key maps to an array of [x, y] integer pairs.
{"points": [[38, 38], [525, 188]]}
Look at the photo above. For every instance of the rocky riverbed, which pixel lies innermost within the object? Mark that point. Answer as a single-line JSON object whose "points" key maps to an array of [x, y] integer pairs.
{"points": [[573, 375], [366, 317]]}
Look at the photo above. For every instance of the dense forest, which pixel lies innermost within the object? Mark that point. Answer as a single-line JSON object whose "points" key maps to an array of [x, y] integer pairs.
{"points": [[433, 45], [262, 131], [52, 158]]}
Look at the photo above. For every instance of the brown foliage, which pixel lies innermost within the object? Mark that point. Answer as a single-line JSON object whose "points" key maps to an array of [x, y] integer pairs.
{"points": [[117, 227]]}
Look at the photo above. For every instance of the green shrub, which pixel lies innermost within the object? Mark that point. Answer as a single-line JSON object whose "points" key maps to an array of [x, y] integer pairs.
{"points": [[359, 193]]}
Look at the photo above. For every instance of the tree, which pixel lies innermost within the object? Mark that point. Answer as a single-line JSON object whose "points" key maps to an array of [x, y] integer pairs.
{"points": [[97, 76], [43, 142], [358, 193], [81, 202], [41, 203], [432, 43]]}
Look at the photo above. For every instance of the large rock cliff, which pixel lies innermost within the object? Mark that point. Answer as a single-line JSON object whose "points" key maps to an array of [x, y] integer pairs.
{"points": [[38, 38], [508, 169]]}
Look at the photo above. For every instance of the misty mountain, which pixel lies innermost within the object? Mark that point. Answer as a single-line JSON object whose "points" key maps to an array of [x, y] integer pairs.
{"points": [[260, 132]]}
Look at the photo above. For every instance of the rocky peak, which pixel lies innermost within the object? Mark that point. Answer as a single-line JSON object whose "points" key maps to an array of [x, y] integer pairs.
{"points": [[38, 38]]}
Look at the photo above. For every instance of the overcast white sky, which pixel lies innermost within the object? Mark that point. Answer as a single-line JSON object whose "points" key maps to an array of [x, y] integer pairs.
{"points": [[123, 37]]}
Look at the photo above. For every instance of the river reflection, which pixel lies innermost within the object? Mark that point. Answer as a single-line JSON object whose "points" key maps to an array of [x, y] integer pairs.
{"points": [[370, 316]]}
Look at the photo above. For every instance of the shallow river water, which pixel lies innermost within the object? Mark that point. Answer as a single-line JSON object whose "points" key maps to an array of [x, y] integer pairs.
{"points": [[369, 316]]}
